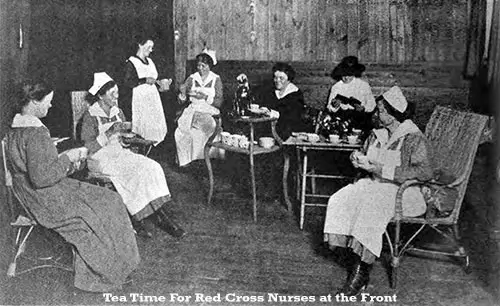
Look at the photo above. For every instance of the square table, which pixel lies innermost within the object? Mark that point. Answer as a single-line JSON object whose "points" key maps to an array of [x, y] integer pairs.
{"points": [[303, 147]]}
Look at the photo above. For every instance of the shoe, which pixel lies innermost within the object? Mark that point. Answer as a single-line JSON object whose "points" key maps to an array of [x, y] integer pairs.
{"points": [[357, 280], [144, 228], [169, 225]]}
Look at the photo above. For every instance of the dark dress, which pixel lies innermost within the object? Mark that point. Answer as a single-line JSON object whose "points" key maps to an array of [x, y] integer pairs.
{"points": [[291, 109], [91, 218]]}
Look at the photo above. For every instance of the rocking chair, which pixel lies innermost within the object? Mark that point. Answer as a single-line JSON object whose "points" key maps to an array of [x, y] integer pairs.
{"points": [[454, 137]]}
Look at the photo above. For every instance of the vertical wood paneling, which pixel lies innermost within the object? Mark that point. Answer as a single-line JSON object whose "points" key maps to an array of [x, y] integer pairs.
{"points": [[379, 31], [353, 22], [299, 28], [261, 27], [288, 30], [181, 15]]}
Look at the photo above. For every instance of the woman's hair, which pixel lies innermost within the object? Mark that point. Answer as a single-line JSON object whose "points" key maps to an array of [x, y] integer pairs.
{"points": [[102, 91], [399, 116], [30, 91], [141, 39], [205, 58], [286, 68]]}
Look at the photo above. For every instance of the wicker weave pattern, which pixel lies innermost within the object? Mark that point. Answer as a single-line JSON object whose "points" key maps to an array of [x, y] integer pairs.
{"points": [[79, 106], [454, 138]]}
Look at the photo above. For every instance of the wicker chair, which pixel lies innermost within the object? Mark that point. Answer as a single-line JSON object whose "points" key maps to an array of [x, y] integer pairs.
{"points": [[454, 137], [24, 224]]}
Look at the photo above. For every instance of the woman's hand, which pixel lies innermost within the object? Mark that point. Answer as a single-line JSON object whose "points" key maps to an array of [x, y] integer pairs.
{"points": [[150, 81], [77, 154], [371, 166], [354, 158], [359, 107], [334, 105], [116, 128], [198, 95]]}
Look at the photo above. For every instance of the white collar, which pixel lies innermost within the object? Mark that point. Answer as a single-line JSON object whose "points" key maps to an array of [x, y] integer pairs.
{"points": [[96, 110], [290, 88], [211, 76], [406, 127], [26, 121]]}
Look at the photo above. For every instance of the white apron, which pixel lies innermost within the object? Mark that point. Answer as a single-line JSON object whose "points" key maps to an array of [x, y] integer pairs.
{"points": [[138, 179], [194, 129], [363, 209], [148, 119]]}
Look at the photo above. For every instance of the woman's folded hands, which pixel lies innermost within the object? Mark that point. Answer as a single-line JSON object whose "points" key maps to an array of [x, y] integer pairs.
{"points": [[360, 160], [77, 154]]}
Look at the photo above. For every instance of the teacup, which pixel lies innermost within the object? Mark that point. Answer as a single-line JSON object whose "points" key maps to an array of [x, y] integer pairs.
{"points": [[225, 137], [311, 137], [352, 139], [334, 138], [266, 142], [243, 142], [362, 159]]}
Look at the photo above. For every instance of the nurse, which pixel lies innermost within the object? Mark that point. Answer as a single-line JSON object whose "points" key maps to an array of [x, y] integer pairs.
{"points": [[358, 214]]}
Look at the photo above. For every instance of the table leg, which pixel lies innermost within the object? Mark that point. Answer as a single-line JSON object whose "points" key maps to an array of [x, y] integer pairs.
{"points": [[297, 175], [303, 190], [286, 167], [210, 173], [252, 174]]}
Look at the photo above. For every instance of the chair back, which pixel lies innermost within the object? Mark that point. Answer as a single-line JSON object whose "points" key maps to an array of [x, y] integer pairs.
{"points": [[454, 137], [10, 188], [79, 106]]}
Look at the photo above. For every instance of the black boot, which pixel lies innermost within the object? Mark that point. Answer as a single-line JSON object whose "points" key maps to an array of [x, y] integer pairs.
{"points": [[143, 228], [358, 279], [167, 224]]}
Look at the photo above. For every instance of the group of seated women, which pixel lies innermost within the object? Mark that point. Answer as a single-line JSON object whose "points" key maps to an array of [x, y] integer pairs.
{"points": [[96, 220]]}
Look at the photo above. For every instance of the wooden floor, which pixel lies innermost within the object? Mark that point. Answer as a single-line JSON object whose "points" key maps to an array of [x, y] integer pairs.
{"points": [[227, 255]]}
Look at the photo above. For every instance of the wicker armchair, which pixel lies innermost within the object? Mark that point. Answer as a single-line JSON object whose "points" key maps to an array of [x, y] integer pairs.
{"points": [[454, 137]]}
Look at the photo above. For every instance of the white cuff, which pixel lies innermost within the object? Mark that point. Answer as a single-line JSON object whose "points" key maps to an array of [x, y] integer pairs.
{"points": [[388, 172]]}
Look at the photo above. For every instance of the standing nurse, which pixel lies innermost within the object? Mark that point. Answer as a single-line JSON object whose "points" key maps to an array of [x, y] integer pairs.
{"points": [[148, 119]]}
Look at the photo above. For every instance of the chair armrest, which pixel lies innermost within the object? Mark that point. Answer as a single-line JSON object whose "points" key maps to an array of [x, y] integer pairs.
{"points": [[398, 211]]}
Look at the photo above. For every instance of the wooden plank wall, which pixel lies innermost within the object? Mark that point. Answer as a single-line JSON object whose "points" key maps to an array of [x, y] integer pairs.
{"points": [[377, 31]]}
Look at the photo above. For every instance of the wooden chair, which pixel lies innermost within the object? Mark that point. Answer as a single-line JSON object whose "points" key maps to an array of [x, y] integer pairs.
{"points": [[25, 224], [454, 137]]}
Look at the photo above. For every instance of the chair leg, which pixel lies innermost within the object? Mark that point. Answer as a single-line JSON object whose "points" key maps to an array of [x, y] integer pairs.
{"points": [[460, 249], [21, 247], [394, 271]]}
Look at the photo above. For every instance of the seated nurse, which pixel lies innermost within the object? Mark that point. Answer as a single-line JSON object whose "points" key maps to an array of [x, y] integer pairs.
{"points": [[350, 85], [358, 214], [139, 180], [202, 93], [91, 218]]}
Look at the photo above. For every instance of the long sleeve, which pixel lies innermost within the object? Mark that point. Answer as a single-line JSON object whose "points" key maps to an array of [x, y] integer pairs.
{"points": [[331, 96], [368, 100], [130, 78], [218, 93], [90, 134], [415, 162], [184, 88], [45, 167]]}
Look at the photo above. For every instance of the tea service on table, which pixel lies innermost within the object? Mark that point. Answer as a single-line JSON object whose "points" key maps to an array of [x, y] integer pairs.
{"points": [[352, 139], [242, 141]]}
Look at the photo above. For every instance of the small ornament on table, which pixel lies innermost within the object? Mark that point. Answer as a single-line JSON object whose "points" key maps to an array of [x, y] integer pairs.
{"points": [[242, 97]]}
